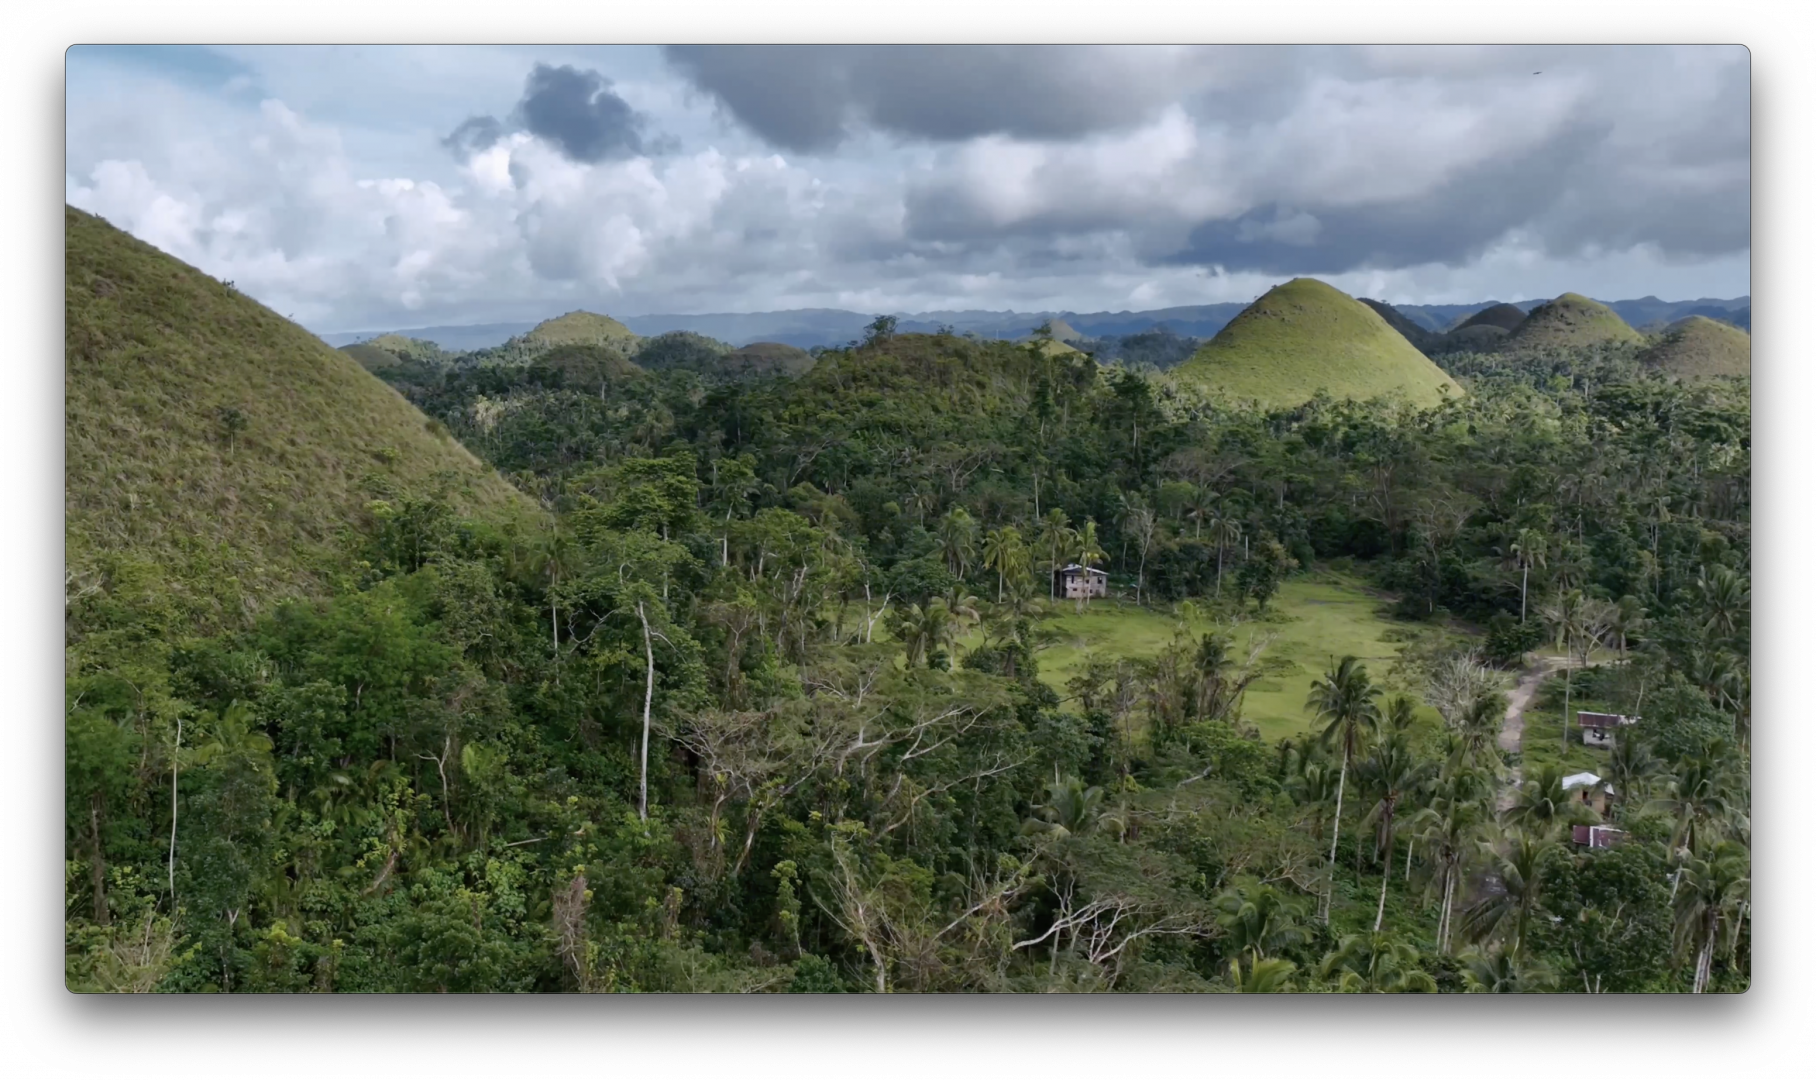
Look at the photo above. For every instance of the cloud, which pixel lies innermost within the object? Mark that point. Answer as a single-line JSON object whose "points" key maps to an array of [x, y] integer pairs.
{"points": [[573, 109], [1201, 176], [812, 98]]}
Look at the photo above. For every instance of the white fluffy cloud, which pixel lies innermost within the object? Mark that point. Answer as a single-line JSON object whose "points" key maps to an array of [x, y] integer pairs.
{"points": [[1426, 175]]}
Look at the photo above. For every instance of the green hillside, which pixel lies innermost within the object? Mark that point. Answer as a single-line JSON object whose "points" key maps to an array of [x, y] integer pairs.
{"points": [[580, 328], [371, 357], [1305, 336], [585, 367], [1504, 316], [216, 453], [1420, 337], [1482, 337], [770, 358], [1570, 321], [1701, 348]]}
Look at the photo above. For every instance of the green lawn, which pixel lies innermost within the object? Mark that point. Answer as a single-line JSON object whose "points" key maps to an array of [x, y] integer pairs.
{"points": [[1313, 619]]}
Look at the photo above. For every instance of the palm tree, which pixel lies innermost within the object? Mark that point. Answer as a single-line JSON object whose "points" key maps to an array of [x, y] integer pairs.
{"points": [[1226, 531], [1090, 552], [958, 540], [1346, 701], [1480, 725], [1259, 920], [1200, 506], [1507, 913], [1005, 553], [1710, 904], [1055, 537], [1528, 548], [1542, 809], [1629, 619], [1393, 774], [1725, 597], [1263, 976], [1631, 768], [1700, 796], [1376, 964], [1451, 830], [1496, 971], [1070, 809]]}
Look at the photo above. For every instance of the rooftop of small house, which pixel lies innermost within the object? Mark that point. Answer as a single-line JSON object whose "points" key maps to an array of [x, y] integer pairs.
{"points": [[1604, 720], [1077, 569]]}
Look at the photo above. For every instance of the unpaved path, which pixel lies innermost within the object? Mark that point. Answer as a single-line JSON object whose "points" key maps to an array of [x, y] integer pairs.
{"points": [[1514, 723]]}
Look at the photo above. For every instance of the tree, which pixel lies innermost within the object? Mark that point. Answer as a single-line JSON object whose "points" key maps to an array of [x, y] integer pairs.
{"points": [[1710, 905], [1226, 532], [1070, 809], [1451, 830], [1262, 572], [1394, 774], [1543, 809], [1005, 553], [1346, 702], [958, 540], [1580, 624], [1528, 549], [1507, 914], [1699, 796], [879, 330], [1259, 920], [1376, 963], [1055, 538], [1494, 970]]}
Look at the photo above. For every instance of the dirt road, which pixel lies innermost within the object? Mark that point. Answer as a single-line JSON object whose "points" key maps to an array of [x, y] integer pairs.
{"points": [[1514, 723]]}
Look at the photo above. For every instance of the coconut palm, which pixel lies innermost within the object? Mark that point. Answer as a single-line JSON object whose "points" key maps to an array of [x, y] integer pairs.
{"points": [[1710, 904], [1725, 596], [1263, 976], [1376, 964], [1543, 809], [1496, 971], [1346, 702], [1506, 914], [1701, 796], [1054, 538], [1394, 775], [1005, 553], [1451, 830], [1070, 809], [1226, 532], [1629, 619], [1090, 551], [957, 538], [1528, 549], [1632, 768], [1579, 623], [1259, 920]]}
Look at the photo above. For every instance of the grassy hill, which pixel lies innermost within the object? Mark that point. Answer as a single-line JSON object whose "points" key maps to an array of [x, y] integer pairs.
{"points": [[216, 454], [1305, 336], [1504, 316], [1420, 337], [1570, 321], [1701, 348], [1482, 337], [580, 328]]}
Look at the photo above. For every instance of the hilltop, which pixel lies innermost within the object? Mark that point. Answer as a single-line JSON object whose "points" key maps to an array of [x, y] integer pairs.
{"points": [[216, 453], [1305, 336], [1502, 316], [579, 328], [1570, 321], [1700, 348]]}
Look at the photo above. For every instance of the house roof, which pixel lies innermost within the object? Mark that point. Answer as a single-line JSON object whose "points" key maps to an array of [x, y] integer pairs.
{"points": [[1596, 835], [1582, 779], [1603, 720], [1075, 568]]}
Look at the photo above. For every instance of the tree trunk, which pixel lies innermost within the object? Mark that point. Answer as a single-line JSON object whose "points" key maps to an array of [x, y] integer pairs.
{"points": [[1387, 872], [649, 693], [99, 867], [1566, 705], [1336, 827], [1525, 569], [1220, 570], [174, 752], [1408, 876]]}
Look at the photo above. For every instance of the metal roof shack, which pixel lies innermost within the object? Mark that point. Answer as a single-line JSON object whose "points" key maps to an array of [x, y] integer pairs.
{"points": [[1591, 790], [1596, 836], [1599, 727]]}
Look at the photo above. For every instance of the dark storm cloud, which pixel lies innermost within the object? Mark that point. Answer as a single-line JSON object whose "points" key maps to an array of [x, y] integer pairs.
{"points": [[573, 109], [475, 133], [810, 98], [577, 111]]}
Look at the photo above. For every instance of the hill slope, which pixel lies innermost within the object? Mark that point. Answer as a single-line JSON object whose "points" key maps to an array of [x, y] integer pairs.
{"points": [[215, 452], [1305, 336], [769, 358], [1701, 348], [1570, 321], [1420, 337], [1505, 316]]}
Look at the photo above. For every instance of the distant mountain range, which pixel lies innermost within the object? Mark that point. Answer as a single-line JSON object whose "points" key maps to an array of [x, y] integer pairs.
{"points": [[807, 327]]}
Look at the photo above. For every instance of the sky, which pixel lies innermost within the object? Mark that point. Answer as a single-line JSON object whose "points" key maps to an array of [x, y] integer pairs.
{"points": [[355, 188]]}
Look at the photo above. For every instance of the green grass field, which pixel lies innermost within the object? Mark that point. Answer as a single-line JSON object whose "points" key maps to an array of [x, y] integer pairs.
{"points": [[1313, 620]]}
